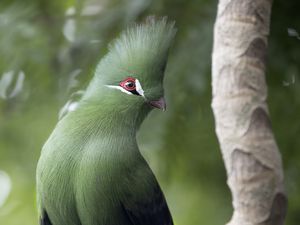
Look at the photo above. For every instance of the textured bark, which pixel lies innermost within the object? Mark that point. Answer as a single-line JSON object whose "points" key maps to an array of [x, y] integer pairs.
{"points": [[249, 150]]}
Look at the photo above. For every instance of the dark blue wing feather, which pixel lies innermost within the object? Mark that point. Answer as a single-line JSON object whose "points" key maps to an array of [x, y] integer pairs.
{"points": [[44, 220], [153, 212]]}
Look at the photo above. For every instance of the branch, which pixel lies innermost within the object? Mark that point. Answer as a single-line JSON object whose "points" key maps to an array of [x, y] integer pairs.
{"points": [[243, 127]]}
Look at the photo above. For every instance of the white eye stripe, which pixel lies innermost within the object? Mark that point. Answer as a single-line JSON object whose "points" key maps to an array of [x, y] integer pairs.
{"points": [[119, 88]]}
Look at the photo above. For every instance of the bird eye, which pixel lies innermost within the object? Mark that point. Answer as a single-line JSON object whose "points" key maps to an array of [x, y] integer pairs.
{"points": [[128, 84], [132, 85]]}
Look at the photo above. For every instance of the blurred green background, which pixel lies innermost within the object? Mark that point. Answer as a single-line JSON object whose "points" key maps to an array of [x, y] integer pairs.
{"points": [[49, 49]]}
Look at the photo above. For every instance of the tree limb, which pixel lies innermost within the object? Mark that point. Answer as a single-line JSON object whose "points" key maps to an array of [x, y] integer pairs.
{"points": [[243, 127]]}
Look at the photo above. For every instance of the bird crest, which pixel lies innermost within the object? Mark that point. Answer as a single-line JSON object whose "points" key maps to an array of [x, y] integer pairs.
{"points": [[140, 51]]}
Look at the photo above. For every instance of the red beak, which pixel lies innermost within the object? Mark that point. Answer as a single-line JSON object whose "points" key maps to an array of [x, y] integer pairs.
{"points": [[160, 103]]}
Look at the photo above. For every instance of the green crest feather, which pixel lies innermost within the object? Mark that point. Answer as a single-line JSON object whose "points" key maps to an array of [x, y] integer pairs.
{"points": [[140, 51]]}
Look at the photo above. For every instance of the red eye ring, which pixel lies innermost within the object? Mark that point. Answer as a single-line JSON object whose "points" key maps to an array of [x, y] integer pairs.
{"points": [[128, 84]]}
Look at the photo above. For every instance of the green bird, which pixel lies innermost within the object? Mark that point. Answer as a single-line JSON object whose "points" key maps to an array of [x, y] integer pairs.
{"points": [[91, 171]]}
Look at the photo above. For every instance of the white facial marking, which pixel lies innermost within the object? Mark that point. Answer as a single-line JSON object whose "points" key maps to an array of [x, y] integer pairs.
{"points": [[139, 88], [119, 88]]}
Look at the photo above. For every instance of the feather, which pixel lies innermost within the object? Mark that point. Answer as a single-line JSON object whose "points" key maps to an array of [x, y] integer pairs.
{"points": [[154, 212], [152, 37], [91, 171], [140, 51], [44, 220], [144, 202]]}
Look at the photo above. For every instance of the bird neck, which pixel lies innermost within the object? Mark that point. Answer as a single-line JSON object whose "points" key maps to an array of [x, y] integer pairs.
{"points": [[108, 118]]}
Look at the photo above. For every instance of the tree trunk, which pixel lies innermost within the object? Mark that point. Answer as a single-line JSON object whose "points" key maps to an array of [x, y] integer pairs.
{"points": [[243, 127]]}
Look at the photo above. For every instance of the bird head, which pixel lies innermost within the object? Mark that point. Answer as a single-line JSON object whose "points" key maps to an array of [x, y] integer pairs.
{"points": [[131, 74]]}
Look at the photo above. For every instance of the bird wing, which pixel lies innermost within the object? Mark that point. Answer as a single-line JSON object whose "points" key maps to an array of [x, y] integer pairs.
{"points": [[144, 203], [44, 220]]}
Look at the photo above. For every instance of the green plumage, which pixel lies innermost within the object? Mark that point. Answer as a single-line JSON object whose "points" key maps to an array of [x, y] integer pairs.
{"points": [[91, 171]]}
